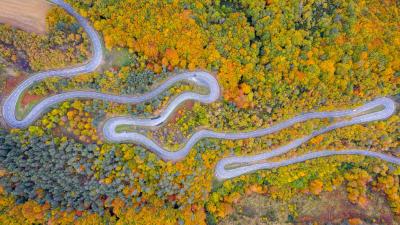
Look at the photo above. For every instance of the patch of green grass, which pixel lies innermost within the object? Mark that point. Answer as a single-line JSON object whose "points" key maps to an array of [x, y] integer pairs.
{"points": [[125, 128], [119, 57]]}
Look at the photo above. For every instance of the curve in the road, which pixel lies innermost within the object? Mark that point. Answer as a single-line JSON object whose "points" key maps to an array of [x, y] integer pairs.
{"points": [[366, 113], [10, 104]]}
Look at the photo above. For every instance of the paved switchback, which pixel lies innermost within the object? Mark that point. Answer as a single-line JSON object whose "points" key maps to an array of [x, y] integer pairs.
{"points": [[226, 168]]}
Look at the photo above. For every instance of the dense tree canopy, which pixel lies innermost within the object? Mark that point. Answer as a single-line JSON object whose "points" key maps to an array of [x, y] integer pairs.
{"points": [[273, 59]]}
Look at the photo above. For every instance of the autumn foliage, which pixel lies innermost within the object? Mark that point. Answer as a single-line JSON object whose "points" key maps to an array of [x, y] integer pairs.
{"points": [[273, 59]]}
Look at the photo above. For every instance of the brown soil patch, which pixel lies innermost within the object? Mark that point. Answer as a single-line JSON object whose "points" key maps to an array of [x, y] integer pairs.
{"points": [[28, 15], [12, 82], [28, 98]]}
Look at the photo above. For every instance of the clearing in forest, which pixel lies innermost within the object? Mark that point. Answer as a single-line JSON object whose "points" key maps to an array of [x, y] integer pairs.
{"points": [[28, 15]]}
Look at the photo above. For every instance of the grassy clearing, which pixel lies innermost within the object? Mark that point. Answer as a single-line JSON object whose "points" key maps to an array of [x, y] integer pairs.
{"points": [[125, 128], [327, 208], [118, 58]]}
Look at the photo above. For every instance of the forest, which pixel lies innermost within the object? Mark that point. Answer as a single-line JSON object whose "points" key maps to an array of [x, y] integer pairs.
{"points": [[273, 59]]}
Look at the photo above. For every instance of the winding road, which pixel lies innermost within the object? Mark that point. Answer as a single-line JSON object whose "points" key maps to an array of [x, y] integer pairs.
{"points": [[378, 109]]}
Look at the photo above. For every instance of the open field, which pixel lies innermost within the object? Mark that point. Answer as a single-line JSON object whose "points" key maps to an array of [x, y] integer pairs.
{"points": [[328, 208], [29, 15]]}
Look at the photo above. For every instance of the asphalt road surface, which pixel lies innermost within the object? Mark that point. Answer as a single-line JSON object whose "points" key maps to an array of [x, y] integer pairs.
{"points": [[378, 109]]}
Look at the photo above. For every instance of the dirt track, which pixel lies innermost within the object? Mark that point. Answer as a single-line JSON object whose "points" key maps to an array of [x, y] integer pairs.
{"points": [[28, 15]]}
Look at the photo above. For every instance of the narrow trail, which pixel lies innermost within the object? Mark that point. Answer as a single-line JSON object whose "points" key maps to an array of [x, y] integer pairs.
{"points": [[378, 109]]}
